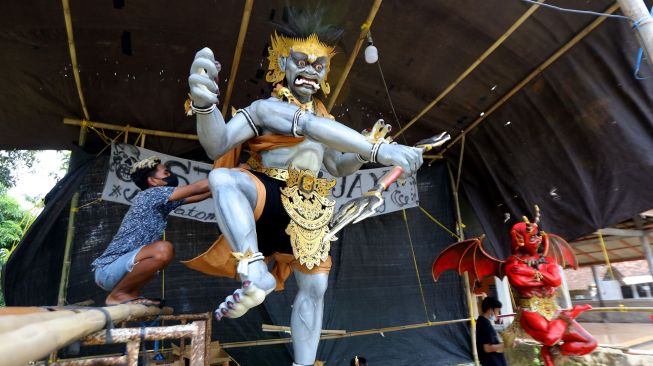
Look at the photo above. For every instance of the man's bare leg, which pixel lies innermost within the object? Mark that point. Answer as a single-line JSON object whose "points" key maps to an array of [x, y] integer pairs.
{"points": [[235, 196], [307, 312], [149, 260]]}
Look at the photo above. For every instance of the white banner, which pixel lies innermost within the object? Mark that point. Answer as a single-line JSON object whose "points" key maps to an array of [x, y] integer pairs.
{"points": [[119, 187]]}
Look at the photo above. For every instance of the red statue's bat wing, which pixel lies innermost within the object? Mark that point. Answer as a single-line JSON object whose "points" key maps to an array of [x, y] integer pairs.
{"points": [[467, 256], [560, 250]]}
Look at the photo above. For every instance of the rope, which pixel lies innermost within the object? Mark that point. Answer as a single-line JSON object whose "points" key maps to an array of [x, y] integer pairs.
{"points": [[76, 209], [387, 92], [102, 135], [605, 254], [439, 223], [124, 130], [419, 281]]}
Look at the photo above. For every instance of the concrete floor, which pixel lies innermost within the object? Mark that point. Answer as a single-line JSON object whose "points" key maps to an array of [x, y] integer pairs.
{"points": [[631, 335]]}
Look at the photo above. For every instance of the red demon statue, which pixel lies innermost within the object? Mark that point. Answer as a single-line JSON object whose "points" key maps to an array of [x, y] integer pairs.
{"points": [[534, 278]]}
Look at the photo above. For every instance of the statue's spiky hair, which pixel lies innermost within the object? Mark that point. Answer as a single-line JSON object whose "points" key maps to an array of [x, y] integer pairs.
{"points": [[301, 23]]}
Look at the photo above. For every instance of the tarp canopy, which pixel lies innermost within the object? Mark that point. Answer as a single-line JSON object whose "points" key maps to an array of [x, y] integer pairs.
{"points": [[576, 139]]}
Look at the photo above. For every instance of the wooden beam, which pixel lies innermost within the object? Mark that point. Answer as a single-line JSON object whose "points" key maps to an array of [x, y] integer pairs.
{"points": [[471, 68], [365, 28], [145, 131], [553, 58], [244, 23]]}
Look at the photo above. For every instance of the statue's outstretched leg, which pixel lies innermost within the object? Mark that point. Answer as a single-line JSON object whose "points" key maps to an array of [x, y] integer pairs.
{"points": [[234, 193], [577, 341], [306, 319]]}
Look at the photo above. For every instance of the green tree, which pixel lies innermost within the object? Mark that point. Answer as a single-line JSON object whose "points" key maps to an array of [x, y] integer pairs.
{"points": [[10, 161], [13, 223]]}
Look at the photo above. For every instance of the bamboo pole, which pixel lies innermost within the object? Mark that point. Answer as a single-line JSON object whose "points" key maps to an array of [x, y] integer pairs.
{"points": [[365, 28], [471, 68], [538, 70], [244, 23], [287, 329], [35, 341], [268, 342], [73, 55], [127, 129], [461, 236], [639, 13], [13, 322], [70, 230]]}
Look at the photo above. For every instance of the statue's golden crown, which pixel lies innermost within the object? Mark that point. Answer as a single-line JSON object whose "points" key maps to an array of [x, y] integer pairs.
{"points": [[281, 45]]}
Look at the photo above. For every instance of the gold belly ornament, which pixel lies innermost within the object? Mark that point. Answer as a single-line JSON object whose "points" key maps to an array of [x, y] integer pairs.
{"points": [[546, 306], [305, 200]]}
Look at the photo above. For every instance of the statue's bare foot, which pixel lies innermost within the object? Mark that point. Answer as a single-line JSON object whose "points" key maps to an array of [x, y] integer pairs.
{"points": [[255, 287]]}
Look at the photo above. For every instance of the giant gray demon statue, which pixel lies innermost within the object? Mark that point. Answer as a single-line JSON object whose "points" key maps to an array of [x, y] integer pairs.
{"points": [[280, 208]]}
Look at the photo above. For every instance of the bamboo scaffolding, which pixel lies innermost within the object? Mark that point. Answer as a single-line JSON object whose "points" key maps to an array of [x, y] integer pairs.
{"points": [[244, 23], [108, 360], [128, 128], [365, 28], [287, 329], [471, 68], [36, 340], [268, 342], [9, 323], [538, 70]]}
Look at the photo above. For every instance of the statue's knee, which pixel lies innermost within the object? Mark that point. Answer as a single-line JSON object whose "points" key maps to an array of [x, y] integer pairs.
{"points": [[319, 289], [220, 177]]}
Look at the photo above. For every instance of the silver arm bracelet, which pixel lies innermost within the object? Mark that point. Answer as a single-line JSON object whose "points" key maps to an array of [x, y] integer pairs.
{"points": [[207, 110], [375, 151], [295, 122], [361, 159]]}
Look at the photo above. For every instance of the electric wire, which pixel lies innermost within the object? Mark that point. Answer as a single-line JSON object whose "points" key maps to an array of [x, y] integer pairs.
{"points": [[576, 11]]}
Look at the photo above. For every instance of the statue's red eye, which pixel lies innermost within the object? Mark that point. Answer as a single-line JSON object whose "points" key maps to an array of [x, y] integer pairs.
{"points": [[318, 67], [301, 63]]}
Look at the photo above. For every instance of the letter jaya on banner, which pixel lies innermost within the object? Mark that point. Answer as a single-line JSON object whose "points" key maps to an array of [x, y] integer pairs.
{"points": [[119, 187]]}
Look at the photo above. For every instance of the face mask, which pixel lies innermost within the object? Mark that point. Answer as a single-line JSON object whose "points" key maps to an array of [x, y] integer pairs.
{"points": [[172, 180], [493, 317]]}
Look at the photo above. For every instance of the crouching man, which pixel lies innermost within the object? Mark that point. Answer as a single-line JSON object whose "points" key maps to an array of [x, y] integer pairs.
{"points": [[138, 251]]}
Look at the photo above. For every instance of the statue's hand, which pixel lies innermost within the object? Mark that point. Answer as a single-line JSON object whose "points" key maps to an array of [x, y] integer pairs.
{"points": [[203, 79], [409, 158]]}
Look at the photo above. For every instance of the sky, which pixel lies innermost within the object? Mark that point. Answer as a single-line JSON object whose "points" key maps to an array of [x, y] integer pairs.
{"points": [[38, 180]]}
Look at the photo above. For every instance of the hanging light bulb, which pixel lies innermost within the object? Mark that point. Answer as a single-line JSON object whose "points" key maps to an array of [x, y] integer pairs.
{"points": [[371, 53]]}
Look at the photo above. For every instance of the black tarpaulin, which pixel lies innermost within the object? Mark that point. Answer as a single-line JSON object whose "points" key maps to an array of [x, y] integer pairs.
{"points": [[587, 163], [373, 283]]}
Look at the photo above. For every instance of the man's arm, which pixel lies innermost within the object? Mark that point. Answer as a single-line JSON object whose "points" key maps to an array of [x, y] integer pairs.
{"points": [[200, 187], [493, 347], [197, 198]]}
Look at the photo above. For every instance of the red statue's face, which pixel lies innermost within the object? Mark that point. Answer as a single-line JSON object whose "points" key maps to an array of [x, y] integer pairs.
{"points": [[525, 238]]}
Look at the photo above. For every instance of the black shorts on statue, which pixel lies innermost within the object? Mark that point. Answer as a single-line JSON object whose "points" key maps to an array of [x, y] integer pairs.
{"points": [[271, 226]]}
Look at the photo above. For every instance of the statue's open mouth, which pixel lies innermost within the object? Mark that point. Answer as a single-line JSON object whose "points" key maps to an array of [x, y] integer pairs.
{"points": [[307, 82]]}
